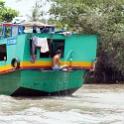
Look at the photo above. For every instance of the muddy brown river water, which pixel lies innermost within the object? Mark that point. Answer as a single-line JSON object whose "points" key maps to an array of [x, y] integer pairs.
{"points": [[91, 104]]}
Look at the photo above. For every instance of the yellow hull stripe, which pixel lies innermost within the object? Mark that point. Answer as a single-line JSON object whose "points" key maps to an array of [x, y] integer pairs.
{"points": [[47, 64]]}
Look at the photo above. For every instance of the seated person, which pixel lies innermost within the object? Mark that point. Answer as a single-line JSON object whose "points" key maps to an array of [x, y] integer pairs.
{"points": [[34, 29], [56, 62]]}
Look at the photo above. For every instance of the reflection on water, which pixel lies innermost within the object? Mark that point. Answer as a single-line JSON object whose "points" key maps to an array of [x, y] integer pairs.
{"points": [[91, 104]]}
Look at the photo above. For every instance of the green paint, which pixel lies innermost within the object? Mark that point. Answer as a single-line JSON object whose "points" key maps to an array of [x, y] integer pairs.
{"points": [[9, 82], [47, 81], [84, 50], [50, 81], [84, 47]]}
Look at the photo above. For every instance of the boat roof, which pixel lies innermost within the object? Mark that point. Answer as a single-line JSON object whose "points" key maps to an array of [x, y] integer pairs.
{"points": [[27, 24]]}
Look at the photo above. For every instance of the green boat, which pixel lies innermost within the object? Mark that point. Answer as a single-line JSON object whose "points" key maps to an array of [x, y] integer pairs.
{"points": [[25, 70]]}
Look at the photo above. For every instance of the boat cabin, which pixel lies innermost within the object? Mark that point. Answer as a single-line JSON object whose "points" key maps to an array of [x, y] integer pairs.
{"points": [[17, 46], [10, 30]]}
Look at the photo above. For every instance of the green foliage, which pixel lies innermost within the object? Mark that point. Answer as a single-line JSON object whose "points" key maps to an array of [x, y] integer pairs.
{"points": [[36, 13], [102, 17], [6, 14]]}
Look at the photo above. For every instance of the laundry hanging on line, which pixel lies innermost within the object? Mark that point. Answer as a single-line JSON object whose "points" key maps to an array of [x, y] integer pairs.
{"points": [[42, 43]]}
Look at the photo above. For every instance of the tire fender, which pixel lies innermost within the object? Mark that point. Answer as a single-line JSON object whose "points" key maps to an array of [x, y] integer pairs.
{"points": [[15, 63]]}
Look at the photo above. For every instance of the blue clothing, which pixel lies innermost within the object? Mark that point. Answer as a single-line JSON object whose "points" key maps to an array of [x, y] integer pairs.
{"points": [[58, 68]]}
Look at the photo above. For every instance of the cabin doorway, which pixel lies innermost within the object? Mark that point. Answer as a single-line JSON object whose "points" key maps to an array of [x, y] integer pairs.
{"points": [[53, 47], [3, 54]]}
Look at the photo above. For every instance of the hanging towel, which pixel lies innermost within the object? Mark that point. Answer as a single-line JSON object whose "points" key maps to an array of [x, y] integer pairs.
{"points": [[36, 42], [43, 44]]}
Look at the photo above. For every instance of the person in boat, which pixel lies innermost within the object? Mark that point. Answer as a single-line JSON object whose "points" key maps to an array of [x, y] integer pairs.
{"points": [[56, 62], [34, 29]]}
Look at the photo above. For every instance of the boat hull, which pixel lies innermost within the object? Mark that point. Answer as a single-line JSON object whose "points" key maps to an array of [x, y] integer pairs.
{"points": [[38, 82]]}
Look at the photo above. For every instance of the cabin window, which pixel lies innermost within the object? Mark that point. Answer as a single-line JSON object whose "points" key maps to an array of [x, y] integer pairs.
{"points": [[4, 32], [7, 32], [21, 28], [44, 30], [3, 54], [14, 30], [1, 32], [53, 47]]}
